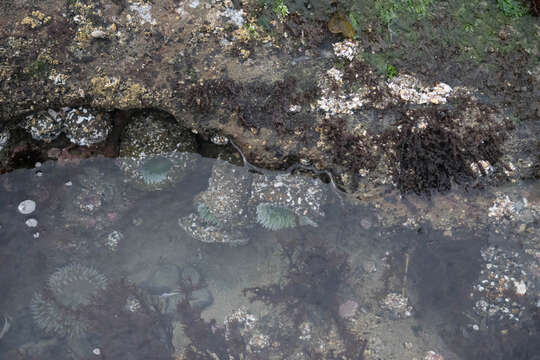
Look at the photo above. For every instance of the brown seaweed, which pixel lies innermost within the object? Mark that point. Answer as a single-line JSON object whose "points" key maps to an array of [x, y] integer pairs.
{"points": [[122, 334], [312, 282]]}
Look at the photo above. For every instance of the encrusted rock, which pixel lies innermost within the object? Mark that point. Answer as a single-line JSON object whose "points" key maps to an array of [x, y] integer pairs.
{"points": [[45, 125], [397, 305], [227, 194], [95, 201], [302, 195], [156, 153], [87, 127], [501, 289], [201, 230], [410, 89]]}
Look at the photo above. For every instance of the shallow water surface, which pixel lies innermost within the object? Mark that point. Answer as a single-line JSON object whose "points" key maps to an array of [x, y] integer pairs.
{"points": [[228, 263]]}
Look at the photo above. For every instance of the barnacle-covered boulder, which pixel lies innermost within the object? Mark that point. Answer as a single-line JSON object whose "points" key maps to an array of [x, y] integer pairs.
{"points": [[82, 126], [44, 125], [227, 194], [222, 210], [87, 127], [286, 200], [156, 153], [205, 231]]}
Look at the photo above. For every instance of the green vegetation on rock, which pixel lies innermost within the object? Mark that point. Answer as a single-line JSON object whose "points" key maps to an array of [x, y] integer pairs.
{"points": [[391, 71], [280, 9], [512, 8], [37, 69]]}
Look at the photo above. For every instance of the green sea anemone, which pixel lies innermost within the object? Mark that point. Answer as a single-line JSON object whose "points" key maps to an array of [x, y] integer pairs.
{"points": [[58, 308], [275, 218], [155, 170], [206, 215]]}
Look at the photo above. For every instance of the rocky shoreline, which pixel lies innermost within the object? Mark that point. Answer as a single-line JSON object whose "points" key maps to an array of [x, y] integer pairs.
{"points": [[297, 93]]}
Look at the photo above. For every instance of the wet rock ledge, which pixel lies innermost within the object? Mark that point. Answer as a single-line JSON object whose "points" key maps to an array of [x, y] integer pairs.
{"points": [[280, 85]]}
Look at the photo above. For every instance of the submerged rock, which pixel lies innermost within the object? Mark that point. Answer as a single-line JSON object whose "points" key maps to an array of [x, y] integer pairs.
{"points": [[200, 230], [222, 210], [155, 153], [200, 299], [95, 200], [302, 196], [227, 195], [236, 200], [164, 279]]}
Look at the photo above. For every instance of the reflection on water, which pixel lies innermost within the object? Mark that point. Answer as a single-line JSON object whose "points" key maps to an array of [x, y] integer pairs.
{"points": [[224, 263]]}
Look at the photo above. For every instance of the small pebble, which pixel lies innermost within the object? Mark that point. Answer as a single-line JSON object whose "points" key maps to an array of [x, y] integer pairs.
{"points": [[31, 222], [69, 183], [219, 140], [348, 309], [96, 351], [369, 267], [365, 223], [521, 287], [27, 207], [305, 162], [98, 34]]}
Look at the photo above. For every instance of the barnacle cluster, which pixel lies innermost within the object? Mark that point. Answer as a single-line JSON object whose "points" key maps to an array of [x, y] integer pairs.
{"points": [[501, 291], [284, 197], [410, 89], [82, 126], [59, 307]]}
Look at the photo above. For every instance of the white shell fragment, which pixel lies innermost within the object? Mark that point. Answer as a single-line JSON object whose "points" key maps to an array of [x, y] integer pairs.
{"points": [[98, 34], [31, 222], [521, 287], [4, 138], [219, 140], [27, 207]]}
